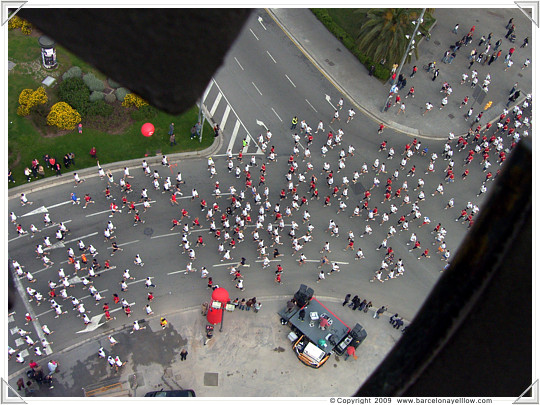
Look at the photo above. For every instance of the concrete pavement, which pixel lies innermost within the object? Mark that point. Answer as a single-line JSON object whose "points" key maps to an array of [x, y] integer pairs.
{"points": [[252, 348], [368, 94]]}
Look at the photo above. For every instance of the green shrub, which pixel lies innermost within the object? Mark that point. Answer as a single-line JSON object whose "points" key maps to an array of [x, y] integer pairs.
{"points": [[75, 92], [73, 71], [146, 112], [113, 84], [96, 96], [110, 98], [121, 93], [93, 82], [99, 108]]}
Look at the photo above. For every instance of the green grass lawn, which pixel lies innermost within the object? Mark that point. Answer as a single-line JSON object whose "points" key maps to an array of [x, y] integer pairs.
{"points": [[26, 141]]}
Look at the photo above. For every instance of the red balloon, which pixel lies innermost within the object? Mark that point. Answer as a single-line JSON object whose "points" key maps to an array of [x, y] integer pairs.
{"points": [[221, 295], [147, 129]]}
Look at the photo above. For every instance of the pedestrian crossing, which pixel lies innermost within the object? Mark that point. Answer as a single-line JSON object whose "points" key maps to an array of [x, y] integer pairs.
{"points": [[231, 126]]}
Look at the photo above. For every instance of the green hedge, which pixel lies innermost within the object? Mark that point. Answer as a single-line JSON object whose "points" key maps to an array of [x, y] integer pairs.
{"points": [[99, 108], [381, 72], [75, 92], [93, 82], [110, 98], [121, 93], [146, 112], [96, 96], [113, 84], [74, 71]]}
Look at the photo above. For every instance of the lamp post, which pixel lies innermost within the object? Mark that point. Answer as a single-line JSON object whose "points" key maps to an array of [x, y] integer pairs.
{"points": [[411, 43], [200, 119]]}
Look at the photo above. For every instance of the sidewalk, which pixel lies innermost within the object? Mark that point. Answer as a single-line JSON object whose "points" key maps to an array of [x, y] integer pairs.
{"points": [[251, 357], [368, 94]]}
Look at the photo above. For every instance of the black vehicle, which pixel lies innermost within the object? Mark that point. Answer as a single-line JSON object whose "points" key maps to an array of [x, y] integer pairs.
{"points": [[176, 393]]}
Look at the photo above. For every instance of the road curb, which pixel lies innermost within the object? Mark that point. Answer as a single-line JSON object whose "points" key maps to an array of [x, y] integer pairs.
{"points": [[389, 124], [91, 172]]}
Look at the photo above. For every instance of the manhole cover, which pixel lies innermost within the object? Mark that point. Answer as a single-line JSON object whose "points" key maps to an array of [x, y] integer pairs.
{"points": [[358, 188], [436, 43], [338, 49], [520, 75], [451, 116], [329, 62], [148, 231], [211, 379]]}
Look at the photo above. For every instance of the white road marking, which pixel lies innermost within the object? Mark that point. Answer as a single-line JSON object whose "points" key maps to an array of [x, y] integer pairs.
{"points": [[234, 134], [260, 19], [310, 105], [245, 148], [138, 281], [329, 102], [224, 264], [39, 210], [277, 114], [93, 325], [18, 237], [163, 236], [207, 91], [331, 261], [238, 63], [216, 103], [271, 56], [254, 34], [256, 88], [176, 272], [79, 238], [127, 243], [225, 116], [294, 85], [59, 204], [103, 212], [274, 260], [259, 151], [261, 124], [30, 310], [77, 279]]}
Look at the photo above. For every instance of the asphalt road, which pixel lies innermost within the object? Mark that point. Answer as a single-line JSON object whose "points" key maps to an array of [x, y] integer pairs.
{"points": [[158, 246]]}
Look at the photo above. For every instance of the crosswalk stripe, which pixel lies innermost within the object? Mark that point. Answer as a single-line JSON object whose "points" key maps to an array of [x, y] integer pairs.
{"points": [[225, 116], [207, 90], [215, 105], [234, 133]]}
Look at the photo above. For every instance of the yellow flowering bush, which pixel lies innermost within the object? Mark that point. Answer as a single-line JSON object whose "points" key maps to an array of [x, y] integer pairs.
{"points": [[133, 100], [26, 28], [23, 110], [24, 97], [63, 116], [15, 22], [30, 98]]}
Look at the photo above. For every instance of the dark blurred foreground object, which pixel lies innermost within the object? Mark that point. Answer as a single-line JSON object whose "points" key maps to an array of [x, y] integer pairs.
{"points": [[473, 335], [165, 55], [177, 393]]}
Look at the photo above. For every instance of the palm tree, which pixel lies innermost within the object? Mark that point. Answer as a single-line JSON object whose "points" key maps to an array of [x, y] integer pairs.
{"points": [[383, 35]]}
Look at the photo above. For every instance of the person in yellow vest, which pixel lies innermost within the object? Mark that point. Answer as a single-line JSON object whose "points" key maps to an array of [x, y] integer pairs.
{"points": [[294, 122]]}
